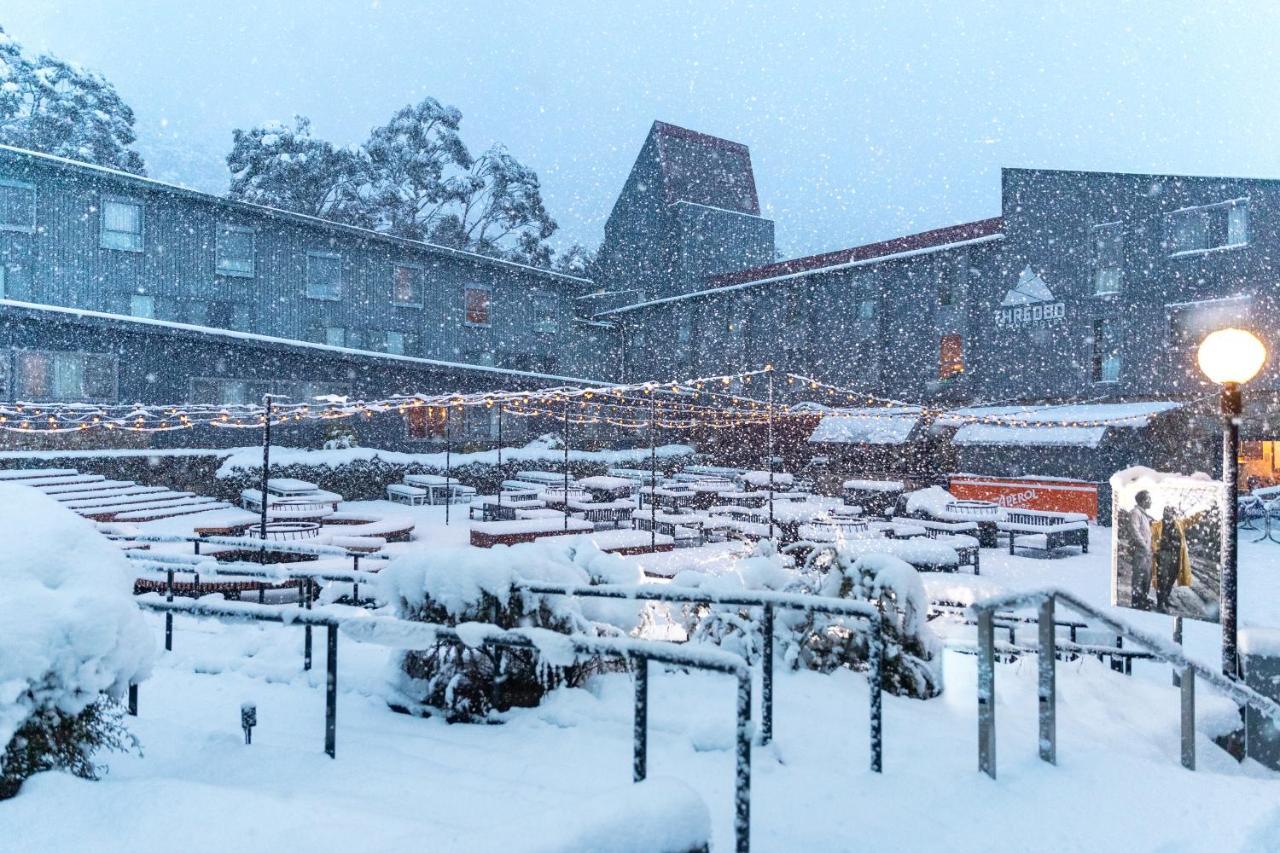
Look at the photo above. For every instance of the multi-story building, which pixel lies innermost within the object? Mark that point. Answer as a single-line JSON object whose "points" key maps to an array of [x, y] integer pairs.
{"points": [[1086, 287]]}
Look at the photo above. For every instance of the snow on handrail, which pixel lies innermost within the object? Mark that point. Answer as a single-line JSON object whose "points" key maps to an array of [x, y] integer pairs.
{"points": [[1167, 650], [649, 592]]}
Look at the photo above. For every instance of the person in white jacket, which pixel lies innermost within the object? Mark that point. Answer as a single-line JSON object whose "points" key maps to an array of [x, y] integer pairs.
{"points": [[1140, 554]]}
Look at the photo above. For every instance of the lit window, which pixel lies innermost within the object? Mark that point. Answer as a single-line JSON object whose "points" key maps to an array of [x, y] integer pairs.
{"points": [[395, 343], [65, 377], [426, 422], [17, 206], [121, 225], [234, 251], [477, 305], [142, 305], [1106, 356], [950, 356], [406, 285], [335, 336], [1108, 254], [324, 275]]}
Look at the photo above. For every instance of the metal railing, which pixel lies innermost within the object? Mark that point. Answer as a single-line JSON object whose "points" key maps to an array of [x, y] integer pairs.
{"points": [[405, 634], [768, 602], [1045, 600]]}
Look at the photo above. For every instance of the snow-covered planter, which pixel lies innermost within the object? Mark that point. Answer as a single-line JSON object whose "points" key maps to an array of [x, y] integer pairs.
{"points": [[825, 642], [456, 586], [71, 640]]}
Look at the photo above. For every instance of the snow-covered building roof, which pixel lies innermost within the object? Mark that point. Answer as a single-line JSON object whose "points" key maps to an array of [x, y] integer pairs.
{"points": [[866, 426], [912, 245], [1078, 425]]}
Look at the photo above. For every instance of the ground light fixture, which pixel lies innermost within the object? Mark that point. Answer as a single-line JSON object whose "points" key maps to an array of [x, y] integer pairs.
{"points": [[1230, 358]]}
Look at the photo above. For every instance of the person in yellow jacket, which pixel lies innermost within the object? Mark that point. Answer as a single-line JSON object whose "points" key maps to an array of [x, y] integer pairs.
{"points": [[1172, 557]]}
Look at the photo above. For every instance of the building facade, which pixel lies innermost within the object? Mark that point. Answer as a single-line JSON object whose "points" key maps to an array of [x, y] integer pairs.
{"points": [[1086, 286]]}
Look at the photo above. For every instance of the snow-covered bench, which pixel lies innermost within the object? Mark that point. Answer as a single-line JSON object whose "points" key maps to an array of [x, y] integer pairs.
{"points": [[411, 495], [1059, 529], [486, 534]]}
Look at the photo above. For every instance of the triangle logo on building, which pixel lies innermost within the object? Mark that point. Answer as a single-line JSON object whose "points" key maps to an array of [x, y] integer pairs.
{"points": [[1029, 290]]}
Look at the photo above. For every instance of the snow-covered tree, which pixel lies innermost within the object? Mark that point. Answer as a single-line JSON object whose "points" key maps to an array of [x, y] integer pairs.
{"points": [[416, 168], [286, 167], [58, 108], [576, 260], [500, 211]]}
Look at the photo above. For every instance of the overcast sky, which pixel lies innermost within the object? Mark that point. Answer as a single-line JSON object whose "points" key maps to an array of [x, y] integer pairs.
{"points": [[864, 120]]}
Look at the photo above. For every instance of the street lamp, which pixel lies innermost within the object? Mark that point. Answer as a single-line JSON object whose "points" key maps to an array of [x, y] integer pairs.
{"points": [[1230, 357]]}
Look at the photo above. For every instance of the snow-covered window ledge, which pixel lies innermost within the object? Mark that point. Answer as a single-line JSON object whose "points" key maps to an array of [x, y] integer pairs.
{"points": [[1212, 250]]}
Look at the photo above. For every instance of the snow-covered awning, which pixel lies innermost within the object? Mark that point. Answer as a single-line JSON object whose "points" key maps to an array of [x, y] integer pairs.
{"points": [[1075, 425], [866, 426]]}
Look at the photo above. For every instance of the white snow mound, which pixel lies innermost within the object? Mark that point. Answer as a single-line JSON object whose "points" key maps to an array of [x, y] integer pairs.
{"points": [[69, 628]]}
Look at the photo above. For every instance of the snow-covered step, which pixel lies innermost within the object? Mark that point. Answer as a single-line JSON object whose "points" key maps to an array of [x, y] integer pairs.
{"points": [[36, 473], [79, 487], [176, 510], [146, 498], [43, 483], [110, 511], [106, 494]]}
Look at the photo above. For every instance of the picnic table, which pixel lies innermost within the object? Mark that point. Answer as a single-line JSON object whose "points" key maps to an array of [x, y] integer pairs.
{"points": [[440, 490], [1059, 529]]}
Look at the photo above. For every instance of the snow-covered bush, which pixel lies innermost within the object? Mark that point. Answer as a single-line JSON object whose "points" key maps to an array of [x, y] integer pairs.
{"points": [[825, 642], [455, 586], [71, 639], [340, 435]]}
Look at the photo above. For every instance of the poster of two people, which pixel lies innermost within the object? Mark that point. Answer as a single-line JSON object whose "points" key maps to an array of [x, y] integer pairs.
{"points": [[1166, 534]]}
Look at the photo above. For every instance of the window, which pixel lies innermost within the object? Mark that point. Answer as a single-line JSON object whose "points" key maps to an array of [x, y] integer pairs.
{"points": [[406, 285], [1189, 322], [234, 251], [1108, 255], [1105, 356], [142, 305], [426, 422], [4, 284], [324, 275], [546, 314], [1215, 226], [950, 356], [395, 343], [121, 225], [867, 309], [335, 336], [477, 305], [480, 357], [17, 206], [66, 377], [684, 331]]}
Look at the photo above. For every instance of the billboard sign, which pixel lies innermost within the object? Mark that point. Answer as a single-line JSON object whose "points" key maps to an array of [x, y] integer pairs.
{"points": [[1048, 493], [1166, 531]]}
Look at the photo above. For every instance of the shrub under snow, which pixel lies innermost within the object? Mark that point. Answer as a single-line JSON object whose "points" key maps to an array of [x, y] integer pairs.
{"points": [[455, 586], [71, 639], [825, 642]]}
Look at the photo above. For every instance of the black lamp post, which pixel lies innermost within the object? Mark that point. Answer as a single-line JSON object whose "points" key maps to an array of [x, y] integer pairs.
{"points": [[1230, 357]]}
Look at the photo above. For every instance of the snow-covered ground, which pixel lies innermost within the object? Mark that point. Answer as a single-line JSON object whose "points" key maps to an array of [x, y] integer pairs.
{"points": [[550, 776]]}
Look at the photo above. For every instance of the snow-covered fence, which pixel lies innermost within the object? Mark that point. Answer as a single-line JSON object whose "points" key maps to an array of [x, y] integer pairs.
{"points": [[768, 602], [1045, 600], [407, 634]]}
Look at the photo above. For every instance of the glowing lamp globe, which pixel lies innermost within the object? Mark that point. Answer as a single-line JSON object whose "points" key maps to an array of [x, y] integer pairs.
{"points": [[1231, 356]]}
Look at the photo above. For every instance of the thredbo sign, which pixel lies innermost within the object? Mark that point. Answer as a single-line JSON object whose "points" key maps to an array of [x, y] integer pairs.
{"points": [[1030, 305]]}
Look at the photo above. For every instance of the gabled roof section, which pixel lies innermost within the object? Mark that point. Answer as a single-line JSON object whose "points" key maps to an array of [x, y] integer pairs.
{"points": [[704, 169], [938, 237]]}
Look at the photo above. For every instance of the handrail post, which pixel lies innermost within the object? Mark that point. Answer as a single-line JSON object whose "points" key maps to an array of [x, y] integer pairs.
{"points": [[986, 694], [1189, 718], [742, 785], [305, 601], [875, 686], [766, 677], [331, 693], [168, 616], [640, 722], [1048, 687]]}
